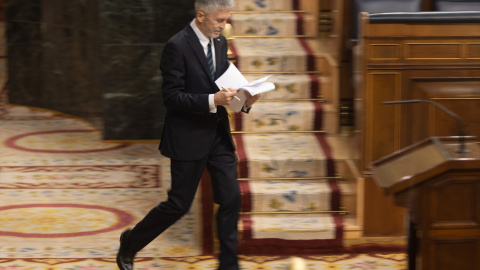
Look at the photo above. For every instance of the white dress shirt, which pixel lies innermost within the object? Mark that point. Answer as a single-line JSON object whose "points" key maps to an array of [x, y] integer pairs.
{"points": [[204, 40]]}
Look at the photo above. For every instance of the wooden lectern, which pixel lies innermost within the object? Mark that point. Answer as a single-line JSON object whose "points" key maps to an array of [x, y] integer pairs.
{"points": [[441, 189]]}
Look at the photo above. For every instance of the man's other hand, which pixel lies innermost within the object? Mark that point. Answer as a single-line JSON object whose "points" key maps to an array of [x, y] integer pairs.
{"points": [[251, 99]]}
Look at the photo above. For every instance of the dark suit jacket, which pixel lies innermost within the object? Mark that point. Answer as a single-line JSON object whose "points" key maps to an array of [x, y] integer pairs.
{"points": [[190, 128]]}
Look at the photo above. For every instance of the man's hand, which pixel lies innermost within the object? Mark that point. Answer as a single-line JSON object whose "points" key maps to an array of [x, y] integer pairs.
{"points": [[251, 99], [224, 97]]}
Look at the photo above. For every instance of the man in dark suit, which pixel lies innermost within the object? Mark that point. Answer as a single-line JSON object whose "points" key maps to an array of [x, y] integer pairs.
{"points": [[196, 133]]}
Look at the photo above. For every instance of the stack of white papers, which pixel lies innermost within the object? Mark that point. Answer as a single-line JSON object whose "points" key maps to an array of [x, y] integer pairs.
{"points": [[233, 78]]}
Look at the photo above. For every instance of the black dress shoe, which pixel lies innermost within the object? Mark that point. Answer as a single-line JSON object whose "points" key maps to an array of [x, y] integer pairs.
{"points": [[125, 254]]}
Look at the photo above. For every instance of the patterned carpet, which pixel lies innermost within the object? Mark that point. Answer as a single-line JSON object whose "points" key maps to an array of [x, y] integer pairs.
{"points": [[66, 195], [361, 261]]}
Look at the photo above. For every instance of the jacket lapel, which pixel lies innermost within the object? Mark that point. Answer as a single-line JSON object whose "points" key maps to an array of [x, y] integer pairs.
{"points": [[197, 48]]}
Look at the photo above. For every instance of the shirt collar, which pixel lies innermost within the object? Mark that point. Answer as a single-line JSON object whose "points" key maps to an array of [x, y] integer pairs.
{"points": [[204, 40]]}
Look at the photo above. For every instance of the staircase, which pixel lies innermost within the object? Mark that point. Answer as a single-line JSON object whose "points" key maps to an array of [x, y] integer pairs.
{"points": [[298, 191]]}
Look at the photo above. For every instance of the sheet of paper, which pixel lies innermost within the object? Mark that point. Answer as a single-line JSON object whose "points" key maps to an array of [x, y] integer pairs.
{"points": [[233, 78], [258, 81], [258, 89]]}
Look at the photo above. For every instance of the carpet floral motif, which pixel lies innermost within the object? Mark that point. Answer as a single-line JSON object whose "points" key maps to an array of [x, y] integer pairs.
{"points": [[269, 24], [92, 176], [270, 55], [61, 141], [293, 227], [284, 195], [260, 5], [281, 116], [60, 220], [287, 86]]}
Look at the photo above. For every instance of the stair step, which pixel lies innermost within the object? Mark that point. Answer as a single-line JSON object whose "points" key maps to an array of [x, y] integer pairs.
{"points": [[267, 5], [272, 55], [282, 155], [271, 116], [287, 195], [289, 233], [291, 86], [271, 24], [290, 226]]}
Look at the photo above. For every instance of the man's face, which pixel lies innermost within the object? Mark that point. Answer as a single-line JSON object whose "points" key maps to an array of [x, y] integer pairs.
{"points": [[212, 24]]}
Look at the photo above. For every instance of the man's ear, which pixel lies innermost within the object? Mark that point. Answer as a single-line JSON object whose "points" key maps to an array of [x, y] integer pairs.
{"points": [[200, 16]]}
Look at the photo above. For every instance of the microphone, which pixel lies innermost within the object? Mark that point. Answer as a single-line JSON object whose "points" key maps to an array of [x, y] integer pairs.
{"points": [[461, 124]]}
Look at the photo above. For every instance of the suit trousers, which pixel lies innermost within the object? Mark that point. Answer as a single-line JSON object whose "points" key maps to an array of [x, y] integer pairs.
{"points": [[221, 163]]}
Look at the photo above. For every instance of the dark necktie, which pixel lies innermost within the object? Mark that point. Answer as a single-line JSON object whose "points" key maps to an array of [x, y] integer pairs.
{"points": [[210, 60]]}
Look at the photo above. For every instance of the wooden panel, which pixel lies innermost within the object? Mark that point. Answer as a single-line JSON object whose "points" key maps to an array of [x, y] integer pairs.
{"points": [[421, 51], [382, 121], [384, 52], [381, 216], [456, 91], [451, 221], [473, 51], [455, 204], [405, 31], [464, 108], [449, 254], [433, 51]]}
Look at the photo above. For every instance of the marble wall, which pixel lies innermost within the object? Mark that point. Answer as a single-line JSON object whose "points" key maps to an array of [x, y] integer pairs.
{"points": [[133, 35], [53, 58], [97, 59]]}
